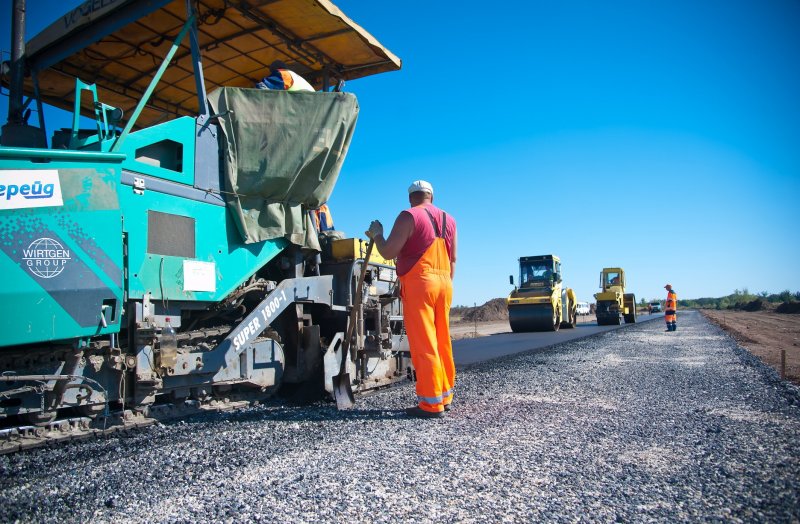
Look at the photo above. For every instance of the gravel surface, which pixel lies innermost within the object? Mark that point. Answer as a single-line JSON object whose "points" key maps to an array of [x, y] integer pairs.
{"points": [[631, 425]]}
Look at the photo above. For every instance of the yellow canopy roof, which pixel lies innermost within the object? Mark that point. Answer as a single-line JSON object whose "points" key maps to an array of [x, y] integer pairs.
{"points": [[119, 46]]}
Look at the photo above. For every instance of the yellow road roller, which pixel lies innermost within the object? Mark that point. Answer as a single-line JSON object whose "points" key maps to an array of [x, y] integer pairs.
{"points": [[612, 301], [541, 303]]}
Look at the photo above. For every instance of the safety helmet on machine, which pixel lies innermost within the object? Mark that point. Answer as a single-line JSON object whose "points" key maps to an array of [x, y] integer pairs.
{"points": [[420, 185]]}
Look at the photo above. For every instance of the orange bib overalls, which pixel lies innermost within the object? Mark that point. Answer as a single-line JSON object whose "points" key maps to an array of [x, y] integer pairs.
{"points": [[671, 310], [427, 293]]}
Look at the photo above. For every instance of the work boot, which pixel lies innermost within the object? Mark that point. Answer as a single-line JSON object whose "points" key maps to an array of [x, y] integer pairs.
{"points": [[447, 407], [418, 412]]}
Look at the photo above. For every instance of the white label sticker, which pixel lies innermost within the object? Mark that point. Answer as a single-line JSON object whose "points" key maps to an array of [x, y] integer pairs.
{"points": [[199, 276], [25, 188]]}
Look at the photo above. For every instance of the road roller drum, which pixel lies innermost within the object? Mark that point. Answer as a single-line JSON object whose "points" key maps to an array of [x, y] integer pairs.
{"points": [[533, 318]]}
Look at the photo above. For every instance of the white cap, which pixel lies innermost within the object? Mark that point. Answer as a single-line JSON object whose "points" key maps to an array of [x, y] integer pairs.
{"points": [[420, 185]]}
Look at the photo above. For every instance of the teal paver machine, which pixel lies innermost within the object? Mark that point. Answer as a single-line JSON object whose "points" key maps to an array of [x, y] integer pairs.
{"points": [[160, 254]]}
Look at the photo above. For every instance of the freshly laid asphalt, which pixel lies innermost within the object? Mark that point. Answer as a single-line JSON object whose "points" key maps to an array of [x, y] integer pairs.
{"points": [[472, 350], [629, 425]]}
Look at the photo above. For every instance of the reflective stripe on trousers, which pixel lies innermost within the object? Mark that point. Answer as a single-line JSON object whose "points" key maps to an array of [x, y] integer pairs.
{"points": [[427, 293]]}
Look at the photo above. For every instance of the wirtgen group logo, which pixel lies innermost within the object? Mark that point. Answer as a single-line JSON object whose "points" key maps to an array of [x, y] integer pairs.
{"points": [[46, 258]]}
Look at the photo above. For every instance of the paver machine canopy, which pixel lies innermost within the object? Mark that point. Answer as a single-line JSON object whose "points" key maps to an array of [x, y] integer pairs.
{"points": [[119, 46]]}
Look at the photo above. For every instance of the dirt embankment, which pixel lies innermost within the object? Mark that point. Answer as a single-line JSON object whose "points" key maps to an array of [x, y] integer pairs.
{"points": [[491, 311], [479, 321], [764, 334]]}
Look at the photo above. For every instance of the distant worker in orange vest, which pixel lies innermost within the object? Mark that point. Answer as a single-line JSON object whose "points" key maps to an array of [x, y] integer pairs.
{"points": [[671, 308], [423, 239]]}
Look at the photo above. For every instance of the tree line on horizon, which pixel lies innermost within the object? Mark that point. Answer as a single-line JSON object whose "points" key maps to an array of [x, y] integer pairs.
{"points": [[740, 299]]}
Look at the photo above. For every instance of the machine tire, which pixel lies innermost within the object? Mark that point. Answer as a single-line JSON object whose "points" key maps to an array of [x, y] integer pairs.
{"points": [[572, 321], [630, 302], [556, 318]]}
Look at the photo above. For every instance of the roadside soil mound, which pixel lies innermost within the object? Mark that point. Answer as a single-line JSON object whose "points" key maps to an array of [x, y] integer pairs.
{"points": [[495, 309], [788, 307], [755, 305]]}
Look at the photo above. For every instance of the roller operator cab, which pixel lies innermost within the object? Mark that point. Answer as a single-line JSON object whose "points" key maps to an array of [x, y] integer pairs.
{"points": [[612, 301], [190, 216], [541, 302]]}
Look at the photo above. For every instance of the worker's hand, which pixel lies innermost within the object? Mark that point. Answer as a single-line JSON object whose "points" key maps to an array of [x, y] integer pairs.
{"points": [[375, 229]]}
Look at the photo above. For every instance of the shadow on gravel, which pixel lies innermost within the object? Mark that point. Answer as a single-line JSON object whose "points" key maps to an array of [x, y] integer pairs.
{"points": [[278, 413]]}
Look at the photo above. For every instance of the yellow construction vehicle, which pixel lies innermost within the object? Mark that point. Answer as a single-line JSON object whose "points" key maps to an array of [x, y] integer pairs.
{"points": [[612, 301], [541, 303]]}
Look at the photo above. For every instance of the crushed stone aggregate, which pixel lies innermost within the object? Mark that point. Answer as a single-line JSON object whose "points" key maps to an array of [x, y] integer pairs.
{"points": [[633, 425]]}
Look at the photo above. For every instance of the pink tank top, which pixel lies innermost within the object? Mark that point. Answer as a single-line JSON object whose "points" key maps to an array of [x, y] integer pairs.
{"points": [[424, 235]]}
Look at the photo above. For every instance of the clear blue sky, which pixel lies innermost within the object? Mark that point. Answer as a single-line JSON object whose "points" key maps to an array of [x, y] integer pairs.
{"points": [[663, 137]]}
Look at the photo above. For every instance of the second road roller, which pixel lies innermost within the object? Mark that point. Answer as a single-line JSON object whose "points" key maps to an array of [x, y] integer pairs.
{"points": [[541, 303], [613, 301]]}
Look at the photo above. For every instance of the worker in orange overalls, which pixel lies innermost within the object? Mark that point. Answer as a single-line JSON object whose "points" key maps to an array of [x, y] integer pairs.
{"points": [[423, 239], [671, 308]]}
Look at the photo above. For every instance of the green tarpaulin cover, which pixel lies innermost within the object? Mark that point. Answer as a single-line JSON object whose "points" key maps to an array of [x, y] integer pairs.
{"points": [[283, 153]]}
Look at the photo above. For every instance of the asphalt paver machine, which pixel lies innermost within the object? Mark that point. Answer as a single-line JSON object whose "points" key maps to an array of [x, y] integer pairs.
{"points": [[165, 256]]}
